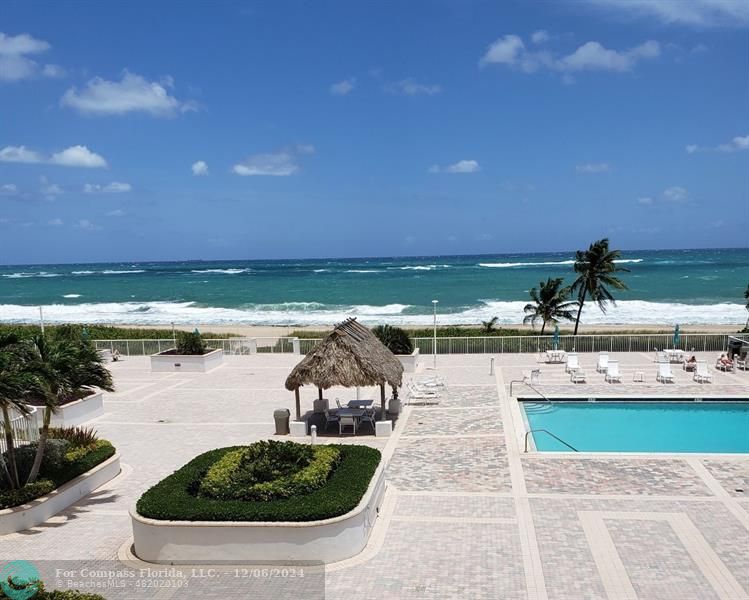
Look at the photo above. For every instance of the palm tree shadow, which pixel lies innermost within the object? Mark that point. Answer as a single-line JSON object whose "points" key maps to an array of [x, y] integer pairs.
{"points": [[73, 512]]}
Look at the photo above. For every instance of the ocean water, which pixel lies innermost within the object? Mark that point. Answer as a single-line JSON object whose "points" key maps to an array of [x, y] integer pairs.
{"points": [[666, 287]]}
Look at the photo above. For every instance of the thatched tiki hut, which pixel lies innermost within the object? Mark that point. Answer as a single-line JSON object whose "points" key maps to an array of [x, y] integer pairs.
{"points": [[351, 356]]}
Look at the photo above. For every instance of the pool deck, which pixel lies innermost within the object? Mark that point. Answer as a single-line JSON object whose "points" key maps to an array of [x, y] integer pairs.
{"points": [[467, 513]]}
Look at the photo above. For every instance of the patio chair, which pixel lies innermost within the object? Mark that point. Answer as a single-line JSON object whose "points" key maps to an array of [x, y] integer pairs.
{"points": [[330, 418], [661, 357], [430, 382], [603, 362], [577, 376], [741, 361], [664, 374], [368, 417], [338, 403], [573, 364], [415, 392], [532, 378], [701, 374], [612, 372], [413, 387], [346, 422], [723, 366]]}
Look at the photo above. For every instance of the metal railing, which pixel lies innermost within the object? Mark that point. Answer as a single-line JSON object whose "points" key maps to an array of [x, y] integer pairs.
{"points": [[558, 439], [24, 428], [643, 342]]}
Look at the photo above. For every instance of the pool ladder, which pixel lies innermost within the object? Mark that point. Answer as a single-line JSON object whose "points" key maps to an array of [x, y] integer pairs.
{"points": [[560, 440]]}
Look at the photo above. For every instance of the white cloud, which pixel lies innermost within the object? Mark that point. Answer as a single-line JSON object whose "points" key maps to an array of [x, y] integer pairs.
{"points": [[78, 156], [51, 189], [74, 156], [55, 222], [133, 93], [735, 145], [279, 164], [53, 71], [19, 154], [510, 50], [199, 168], [411, 87], [593, 56], [593, 168], [540, 37], [343, 87], [116, 187], [86, 225], [645, 201], [675, 194], [116, 213], [8, 189], [462, 166], [685, 12], [15, 63]]}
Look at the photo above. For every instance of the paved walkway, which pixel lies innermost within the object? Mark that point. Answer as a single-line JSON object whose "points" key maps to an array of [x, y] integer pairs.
{"points": [[467, 514]]}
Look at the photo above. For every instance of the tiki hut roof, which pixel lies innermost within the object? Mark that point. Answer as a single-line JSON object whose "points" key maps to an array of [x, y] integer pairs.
{"points": [[350, 356]]}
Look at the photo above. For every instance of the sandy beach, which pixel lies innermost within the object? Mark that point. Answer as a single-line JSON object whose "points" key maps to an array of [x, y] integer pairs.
{"points": [[281, 331]]}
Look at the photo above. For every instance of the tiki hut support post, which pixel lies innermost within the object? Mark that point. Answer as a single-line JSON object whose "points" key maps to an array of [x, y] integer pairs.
{"points": [[382, 401], [319, 393], [298, 407]]}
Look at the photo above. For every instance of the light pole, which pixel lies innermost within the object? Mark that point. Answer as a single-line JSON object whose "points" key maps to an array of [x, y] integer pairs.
{"points": [[434, 342], [41, 319]]}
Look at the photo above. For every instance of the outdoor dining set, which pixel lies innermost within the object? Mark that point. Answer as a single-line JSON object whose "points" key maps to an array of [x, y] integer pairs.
{"points": [[354, 415]]}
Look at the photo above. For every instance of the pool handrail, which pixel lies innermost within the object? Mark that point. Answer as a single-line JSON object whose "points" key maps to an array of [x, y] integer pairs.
{"points": [[560, 440]]}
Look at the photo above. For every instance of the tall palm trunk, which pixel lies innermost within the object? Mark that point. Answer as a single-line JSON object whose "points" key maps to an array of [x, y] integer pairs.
{"points": [[40, 445], [12, 472], [580, 310], [543, 327]]}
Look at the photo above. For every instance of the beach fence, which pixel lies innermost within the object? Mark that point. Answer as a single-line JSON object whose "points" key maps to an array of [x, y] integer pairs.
{"points": [[24, 428], [699, 342]]}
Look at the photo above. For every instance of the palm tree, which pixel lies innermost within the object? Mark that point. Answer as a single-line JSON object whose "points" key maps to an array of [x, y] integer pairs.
{"points": [[16, 385], [551, 303], [488, 326], [66, 368], [596, 268]]}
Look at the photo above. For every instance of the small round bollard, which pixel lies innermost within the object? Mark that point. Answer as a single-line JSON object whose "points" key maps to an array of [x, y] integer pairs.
{"points": [[281, 417], [313, 435]]}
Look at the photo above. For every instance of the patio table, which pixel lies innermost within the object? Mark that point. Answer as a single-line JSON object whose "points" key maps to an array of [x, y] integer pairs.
{"points": [[360, 403], [357, 413]]}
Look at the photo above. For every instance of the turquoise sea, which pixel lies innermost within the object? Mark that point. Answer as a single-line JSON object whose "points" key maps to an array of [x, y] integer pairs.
{"points": [[666, 287]]}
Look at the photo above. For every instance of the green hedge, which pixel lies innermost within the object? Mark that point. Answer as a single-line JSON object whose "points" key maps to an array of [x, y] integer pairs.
{"points": [[176, 497], [106, 332], [51, 478], [44, 594]]}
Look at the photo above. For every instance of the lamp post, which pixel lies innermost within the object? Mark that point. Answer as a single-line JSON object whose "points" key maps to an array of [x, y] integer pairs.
{"points": [[434, 343], [41, 319]]}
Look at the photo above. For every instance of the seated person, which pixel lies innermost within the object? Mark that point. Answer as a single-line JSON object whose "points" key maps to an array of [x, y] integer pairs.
{"points": [[691, 364], [725, 361], [115, 355]]}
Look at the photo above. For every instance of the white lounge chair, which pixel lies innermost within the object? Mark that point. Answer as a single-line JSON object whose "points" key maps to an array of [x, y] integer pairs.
{"points": [[577, 376], [720, 365], [573, 364], [612, 372], [431, 382], [701, 374], [661, 357], [532, 378], [664, 374], [603, 362], [415, 392]]}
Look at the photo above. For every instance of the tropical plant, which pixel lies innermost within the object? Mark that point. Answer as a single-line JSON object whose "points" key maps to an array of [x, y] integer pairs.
{"points": [[66, 368], [551, 303], [190, 343], [16, 385], [394, 338], [489, 326], [596, 268], [746, 297]]}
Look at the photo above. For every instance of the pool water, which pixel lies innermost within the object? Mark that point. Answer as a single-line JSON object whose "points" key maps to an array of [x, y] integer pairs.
{"points": [[665, 426]]}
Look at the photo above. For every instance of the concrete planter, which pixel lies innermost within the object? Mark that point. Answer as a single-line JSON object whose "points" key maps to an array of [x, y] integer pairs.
{"points": [[330, 540], [38, 511], [80, 411], [201, 363], [409, 361]]}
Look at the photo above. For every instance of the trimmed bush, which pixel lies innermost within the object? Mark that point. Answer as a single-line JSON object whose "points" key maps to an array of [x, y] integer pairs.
{"points": [[395, 339], [177, 497], [190, 344], [259, 473], [43, 594], [32, 491]]}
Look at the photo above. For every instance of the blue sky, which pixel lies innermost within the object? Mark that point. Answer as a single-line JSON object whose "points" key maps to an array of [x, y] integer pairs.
{"points": [[195, 130]]}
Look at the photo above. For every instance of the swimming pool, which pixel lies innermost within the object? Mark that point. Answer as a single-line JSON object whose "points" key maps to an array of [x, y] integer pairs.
{"points": [[639, 426]]}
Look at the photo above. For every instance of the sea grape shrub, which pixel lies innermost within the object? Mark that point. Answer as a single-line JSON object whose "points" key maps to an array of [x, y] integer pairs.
{"points": [[190, 343], [394, 338]]}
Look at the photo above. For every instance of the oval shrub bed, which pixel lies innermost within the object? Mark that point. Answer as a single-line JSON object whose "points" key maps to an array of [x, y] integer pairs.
{"points": [[227, 484]]}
